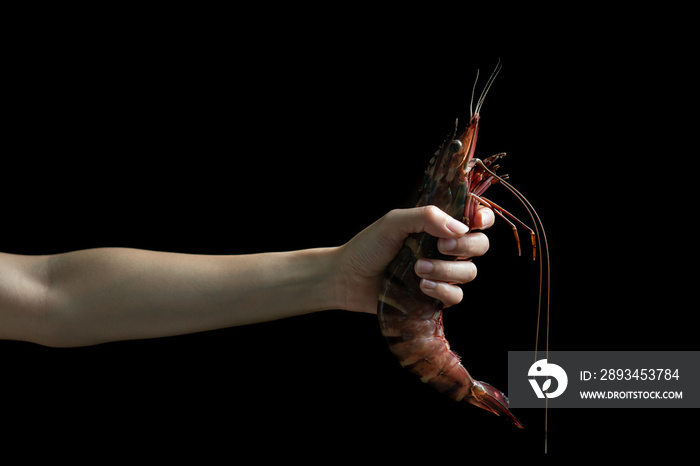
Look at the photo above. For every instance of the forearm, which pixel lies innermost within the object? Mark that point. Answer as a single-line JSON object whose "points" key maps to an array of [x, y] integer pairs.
{"points": [[102, 295]]}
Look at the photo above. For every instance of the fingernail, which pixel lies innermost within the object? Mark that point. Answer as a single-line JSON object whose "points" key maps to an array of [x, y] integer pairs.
{"points": [[455, 226], [447, 244], [488, 217], [428, 284], [423, 266]]}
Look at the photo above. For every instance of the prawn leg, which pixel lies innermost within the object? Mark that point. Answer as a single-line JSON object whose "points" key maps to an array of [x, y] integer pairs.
{"points": [[503, 213]]}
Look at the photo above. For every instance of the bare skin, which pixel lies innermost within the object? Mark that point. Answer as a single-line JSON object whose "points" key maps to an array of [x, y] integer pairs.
{"points": [[94, 296]]}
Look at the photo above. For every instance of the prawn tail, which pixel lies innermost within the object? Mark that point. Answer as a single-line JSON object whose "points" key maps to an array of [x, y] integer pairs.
{"points": [[491, 399]]}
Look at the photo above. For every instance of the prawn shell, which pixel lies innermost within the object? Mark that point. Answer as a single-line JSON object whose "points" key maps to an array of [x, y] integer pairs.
{"points": [[411, 322]]}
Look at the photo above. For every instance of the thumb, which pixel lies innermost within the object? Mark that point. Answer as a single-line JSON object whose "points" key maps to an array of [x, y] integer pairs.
{"points": [[429, 219]]}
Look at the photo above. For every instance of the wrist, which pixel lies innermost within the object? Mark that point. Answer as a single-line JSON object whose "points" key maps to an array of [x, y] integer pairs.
{"points": [[316, 271], [353, 288]]}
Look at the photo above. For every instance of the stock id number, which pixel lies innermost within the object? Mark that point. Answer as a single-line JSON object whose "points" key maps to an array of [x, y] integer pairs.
{"points": [[630, 374]]}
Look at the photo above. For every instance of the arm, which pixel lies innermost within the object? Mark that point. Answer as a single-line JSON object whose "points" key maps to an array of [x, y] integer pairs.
{"points": [[99, 295]]}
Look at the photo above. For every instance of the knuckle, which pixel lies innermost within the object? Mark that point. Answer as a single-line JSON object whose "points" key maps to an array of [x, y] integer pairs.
{"points": [[431, 209], [475, 244], [482, 243], [391, 214], [453, 295], [473, 272], [454, 271], [469, 272], [432, 213]]}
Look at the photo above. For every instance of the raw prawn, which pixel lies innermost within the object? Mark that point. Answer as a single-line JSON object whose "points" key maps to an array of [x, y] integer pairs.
{"points": [[411, 321]]}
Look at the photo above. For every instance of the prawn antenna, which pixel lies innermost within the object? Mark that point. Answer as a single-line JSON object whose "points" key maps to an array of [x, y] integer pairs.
{"points": [[471, 102], [541, 240], [487, 86]]}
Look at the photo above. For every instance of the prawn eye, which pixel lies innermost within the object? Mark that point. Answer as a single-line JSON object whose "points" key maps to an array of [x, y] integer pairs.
{"points": [[456, 145]]}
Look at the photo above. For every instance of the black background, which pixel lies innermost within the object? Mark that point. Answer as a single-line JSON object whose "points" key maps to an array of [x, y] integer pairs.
{"points": [[246, 131]]}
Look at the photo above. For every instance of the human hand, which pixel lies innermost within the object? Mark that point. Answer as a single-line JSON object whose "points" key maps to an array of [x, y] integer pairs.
{"points": [[365, 257]]}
